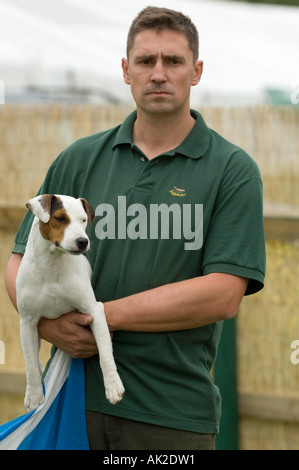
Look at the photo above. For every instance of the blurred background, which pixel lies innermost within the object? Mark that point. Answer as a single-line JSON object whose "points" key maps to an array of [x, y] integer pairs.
{"points": [[71, 50], [60, 79]]}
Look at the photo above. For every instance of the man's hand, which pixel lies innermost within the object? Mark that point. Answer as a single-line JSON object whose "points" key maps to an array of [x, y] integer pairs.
{"points": [[71, 333]]}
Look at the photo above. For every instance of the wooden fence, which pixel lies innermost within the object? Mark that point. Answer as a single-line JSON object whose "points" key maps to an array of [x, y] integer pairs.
{"points": [[268, 382]]}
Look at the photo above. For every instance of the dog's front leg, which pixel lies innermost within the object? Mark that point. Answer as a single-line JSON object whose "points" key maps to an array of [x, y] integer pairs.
{"points": [[30, 344], [113, 385]]}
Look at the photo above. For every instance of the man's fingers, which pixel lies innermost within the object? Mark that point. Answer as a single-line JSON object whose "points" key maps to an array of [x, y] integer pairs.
{"points": [[71, 333]]}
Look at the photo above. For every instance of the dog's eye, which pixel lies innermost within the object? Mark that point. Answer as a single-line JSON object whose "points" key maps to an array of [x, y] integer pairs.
{"points": [[62, 220], [84, 220]]}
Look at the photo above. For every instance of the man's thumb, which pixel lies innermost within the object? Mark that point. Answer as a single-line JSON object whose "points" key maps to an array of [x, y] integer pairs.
{"points": [[85, 320]]}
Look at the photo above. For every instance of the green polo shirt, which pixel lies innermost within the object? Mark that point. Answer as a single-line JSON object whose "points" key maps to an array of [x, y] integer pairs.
{"points": [[194, 210]]}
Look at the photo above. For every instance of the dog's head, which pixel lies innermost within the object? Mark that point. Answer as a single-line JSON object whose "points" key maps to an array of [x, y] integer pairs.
{"points": [[63, 220]]}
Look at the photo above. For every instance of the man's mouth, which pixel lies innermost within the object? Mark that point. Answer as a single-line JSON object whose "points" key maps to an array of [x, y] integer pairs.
{"points": [[158, 92]]}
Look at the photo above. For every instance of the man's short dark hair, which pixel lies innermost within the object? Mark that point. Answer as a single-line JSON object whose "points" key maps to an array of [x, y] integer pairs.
{"points": [[159, 19]]}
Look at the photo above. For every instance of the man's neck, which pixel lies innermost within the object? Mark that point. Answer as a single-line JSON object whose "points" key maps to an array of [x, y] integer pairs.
{"points": [[156, 134]]}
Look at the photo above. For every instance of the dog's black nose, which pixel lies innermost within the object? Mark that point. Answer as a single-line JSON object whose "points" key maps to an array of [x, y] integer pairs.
{"points": [[82, 243]]}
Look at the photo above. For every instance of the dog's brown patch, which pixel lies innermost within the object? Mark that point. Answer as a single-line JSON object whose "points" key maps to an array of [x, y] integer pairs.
{"points": [[59, 220]]}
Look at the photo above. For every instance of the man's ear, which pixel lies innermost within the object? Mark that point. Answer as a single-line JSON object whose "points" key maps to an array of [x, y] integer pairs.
{"points": [[198, 69], [125, 67], [41, 206]]}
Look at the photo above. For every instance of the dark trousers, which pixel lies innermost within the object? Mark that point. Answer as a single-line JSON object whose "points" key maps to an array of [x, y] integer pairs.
{"points": [[106, 432]]}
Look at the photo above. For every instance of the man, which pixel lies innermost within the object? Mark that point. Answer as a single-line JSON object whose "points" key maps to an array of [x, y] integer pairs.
{"points": [[166, 284]]}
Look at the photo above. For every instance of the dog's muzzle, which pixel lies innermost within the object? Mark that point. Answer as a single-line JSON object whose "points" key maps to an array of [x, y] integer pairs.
{"points": [[82, 243]]}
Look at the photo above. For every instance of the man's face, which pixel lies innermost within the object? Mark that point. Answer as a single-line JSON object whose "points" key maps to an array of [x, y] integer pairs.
{"points": [[161, 70]]}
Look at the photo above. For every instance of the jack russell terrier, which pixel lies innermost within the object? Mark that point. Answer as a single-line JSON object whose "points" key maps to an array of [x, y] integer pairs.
{"points": [[53, 279]]}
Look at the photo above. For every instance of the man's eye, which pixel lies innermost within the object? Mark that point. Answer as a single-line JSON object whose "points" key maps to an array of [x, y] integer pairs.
{"points": [[173, 61], [145, 61]]}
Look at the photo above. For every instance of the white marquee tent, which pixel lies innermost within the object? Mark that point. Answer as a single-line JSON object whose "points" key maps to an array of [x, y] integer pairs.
{"points": [[54, 45]]}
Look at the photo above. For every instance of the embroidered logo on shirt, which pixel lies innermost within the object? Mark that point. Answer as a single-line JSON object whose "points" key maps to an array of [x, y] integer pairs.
{"points": [[178, 191]]}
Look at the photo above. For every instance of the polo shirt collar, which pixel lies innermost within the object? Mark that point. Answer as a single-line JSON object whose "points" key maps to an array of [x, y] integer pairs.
{"points": [[194, 146]]}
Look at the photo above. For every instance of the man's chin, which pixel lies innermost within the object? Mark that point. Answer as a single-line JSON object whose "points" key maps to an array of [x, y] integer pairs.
{"points": [[159, 106]]}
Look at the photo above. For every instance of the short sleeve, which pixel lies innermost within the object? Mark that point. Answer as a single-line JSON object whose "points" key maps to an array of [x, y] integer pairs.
{"points": [[235, 242]]}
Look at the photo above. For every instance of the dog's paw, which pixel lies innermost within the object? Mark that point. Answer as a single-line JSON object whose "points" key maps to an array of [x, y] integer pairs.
{"points": [[114, 389], [33, 400]]}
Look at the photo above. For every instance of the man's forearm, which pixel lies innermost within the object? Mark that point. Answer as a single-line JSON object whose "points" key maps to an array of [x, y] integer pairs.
{"points": [[183, 305]]}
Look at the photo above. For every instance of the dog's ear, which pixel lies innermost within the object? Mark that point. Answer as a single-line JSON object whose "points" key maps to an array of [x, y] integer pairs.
{"points": [[89, 211], [41, 206]]}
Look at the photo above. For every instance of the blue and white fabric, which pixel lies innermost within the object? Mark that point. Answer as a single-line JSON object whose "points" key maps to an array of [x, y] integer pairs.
{"points": [[59, 423]]}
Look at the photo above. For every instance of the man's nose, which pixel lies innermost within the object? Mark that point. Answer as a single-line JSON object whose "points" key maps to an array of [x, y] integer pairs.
{"points": [[158, 73]]}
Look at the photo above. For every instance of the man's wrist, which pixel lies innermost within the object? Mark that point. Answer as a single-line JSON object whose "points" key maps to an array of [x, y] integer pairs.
{"points": [[111, 313]]}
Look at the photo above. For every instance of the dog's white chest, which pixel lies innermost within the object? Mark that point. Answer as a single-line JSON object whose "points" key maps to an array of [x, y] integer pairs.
{"points": [[52, 288]]}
